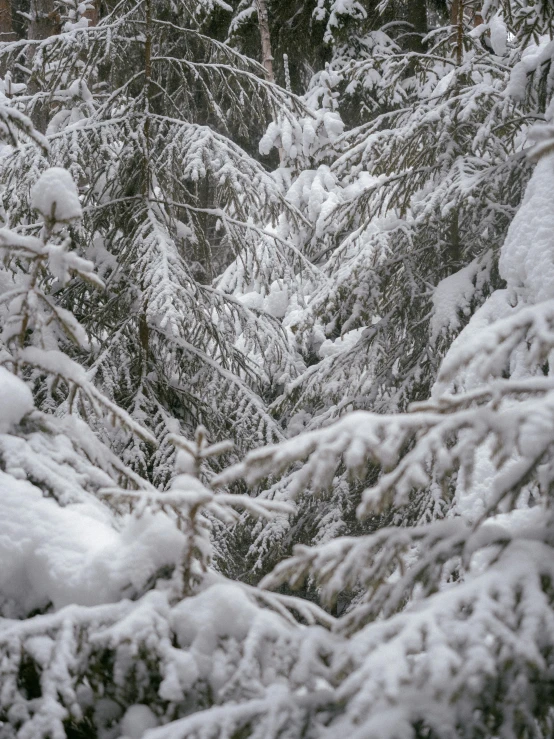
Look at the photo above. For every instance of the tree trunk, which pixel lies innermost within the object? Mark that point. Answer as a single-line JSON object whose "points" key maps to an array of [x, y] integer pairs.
{"points": [[417, 18], [457, 9], [471, 9], [93, 14], [45, 22], [454, 8], [6, 26], [267, 56], [6, 34], [455, 242], [45, 19]]}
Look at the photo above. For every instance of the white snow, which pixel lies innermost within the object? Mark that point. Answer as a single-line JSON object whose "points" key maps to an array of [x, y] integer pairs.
{"points": [[137, 719], [66, 555], [276, 303], [253, 300], [220, 611], [16, 400], [527, 264], [330, 347], [453, 295], [527, 257], [55, 195], [499, 34]]}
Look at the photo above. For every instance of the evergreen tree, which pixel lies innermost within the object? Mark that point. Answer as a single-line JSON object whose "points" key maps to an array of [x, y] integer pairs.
{"points": [[449, 627], [140, 108], [104, 590], [408, 212], [389, 259]]}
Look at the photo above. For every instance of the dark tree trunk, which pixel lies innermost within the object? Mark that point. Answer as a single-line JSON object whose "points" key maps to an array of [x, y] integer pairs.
{"points": [[93, 14], [457, 9], [45, 22], [6, 21], [417, 18]]}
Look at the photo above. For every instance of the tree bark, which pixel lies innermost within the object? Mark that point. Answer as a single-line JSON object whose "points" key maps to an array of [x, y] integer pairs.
{"points": [[147, 183], [455, 242], [267, 56], [45, 20], [457, 8], [6, 21], [454, 8], [93, 14]]}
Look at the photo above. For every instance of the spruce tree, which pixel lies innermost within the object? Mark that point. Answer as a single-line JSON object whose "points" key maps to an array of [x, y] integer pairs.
{"points": [[448, 626], [140, 107], [408, 212], [112, 619], [389, 309]]}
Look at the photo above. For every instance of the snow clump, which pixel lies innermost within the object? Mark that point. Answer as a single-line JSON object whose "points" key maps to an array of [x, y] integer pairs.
{"points": [[55, 196], [137, 720], [16, 400]]}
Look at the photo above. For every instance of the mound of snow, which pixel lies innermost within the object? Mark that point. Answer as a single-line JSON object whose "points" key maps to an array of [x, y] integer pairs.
{"points": [[15, 400], [65, 555], [527, 257], [55, 195], [137, 720]]}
